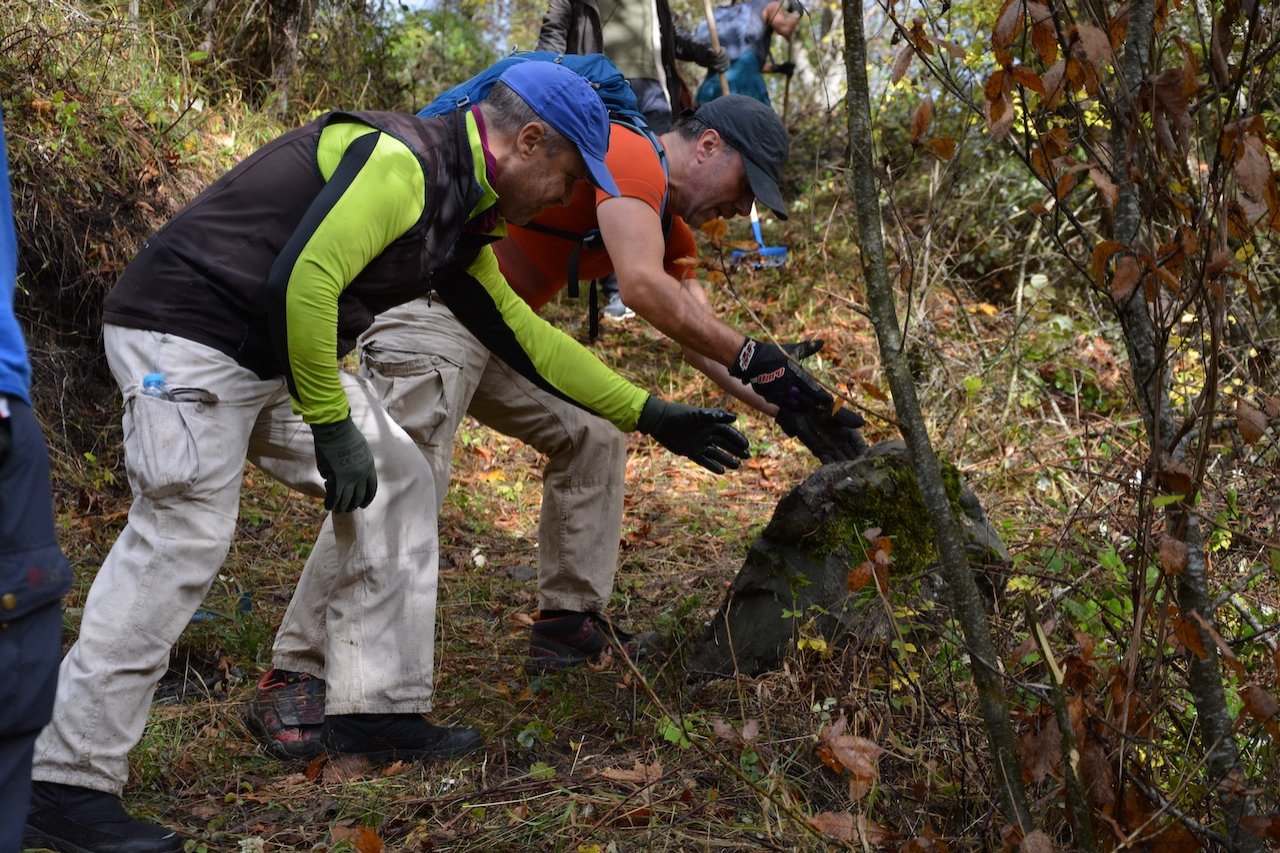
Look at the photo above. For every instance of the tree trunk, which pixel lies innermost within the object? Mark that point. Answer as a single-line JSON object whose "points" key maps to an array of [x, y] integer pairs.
{"points": [[1150, 374], [288, 21], [1204, 677], [966, 598]]}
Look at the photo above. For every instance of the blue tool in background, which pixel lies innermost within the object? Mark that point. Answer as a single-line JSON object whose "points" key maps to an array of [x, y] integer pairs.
{"points": [[764, 256]]}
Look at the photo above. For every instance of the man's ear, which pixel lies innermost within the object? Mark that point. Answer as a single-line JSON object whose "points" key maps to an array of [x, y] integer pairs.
{"points": [[529, 138], [709, 143]]}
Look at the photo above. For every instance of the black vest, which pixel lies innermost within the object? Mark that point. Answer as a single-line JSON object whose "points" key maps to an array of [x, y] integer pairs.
{"points": [[203, 276]]}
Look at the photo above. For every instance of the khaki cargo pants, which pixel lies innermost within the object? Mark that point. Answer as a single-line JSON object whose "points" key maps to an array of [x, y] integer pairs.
{"points": [[428, 371], [185, 461]]}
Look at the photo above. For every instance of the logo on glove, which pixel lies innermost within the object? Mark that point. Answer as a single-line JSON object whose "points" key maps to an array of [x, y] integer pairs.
{"points": [[766, 378], [745, 354]]}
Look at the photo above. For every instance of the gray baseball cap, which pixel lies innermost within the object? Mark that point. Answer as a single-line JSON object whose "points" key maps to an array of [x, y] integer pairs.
{"points": [[755, 132]]}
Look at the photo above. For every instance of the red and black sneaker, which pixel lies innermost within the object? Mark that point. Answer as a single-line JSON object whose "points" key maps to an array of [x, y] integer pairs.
{"points": [[561, 639], [286, 714]]}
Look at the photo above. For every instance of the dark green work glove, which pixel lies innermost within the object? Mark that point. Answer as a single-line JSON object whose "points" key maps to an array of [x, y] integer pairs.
{"points": [[831, 438], [703, 435], [774, 372], [346, 463]]}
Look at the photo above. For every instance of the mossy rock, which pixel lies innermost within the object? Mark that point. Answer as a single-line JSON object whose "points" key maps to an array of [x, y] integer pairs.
{"points": [[794, 581]]}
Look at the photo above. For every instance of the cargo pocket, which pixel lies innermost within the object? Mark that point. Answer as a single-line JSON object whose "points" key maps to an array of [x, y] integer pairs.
{"points": [[418, 391], [160, 451]]}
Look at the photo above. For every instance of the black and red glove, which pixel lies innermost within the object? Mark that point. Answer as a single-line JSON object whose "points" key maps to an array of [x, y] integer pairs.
{"points": [[774, 372]]}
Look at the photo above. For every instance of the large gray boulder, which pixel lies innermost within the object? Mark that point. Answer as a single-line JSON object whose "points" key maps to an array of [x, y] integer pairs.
{"points": [[802, 561]]}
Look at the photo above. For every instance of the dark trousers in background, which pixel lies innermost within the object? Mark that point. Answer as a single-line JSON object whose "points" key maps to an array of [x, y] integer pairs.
{"points": [[33, 577]]}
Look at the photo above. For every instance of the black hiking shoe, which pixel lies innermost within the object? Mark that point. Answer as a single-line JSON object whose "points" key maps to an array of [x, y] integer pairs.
{"points": [[79, 820], [286, 714], [568, 639], [390, 737]]}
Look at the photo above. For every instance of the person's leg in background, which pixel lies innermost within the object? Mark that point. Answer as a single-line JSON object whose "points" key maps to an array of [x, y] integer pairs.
{"points": [[30, 616]]}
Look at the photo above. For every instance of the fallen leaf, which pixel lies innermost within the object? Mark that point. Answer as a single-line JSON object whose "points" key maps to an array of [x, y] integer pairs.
{"points": [[206, 811], [856, 754], [838, 825], [1036, 842], [633, 817], [1041, 752], [344, 768], [725, 732], [846, 827], [1250, 421], [641, 774], [364, 839]]}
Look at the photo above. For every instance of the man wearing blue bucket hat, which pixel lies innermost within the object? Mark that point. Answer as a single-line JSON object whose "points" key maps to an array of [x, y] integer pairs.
{"points": [[222, 334]]}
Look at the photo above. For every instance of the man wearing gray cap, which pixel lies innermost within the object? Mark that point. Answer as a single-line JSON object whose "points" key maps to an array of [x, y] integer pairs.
{"points": [[428, 373], [223, 334]]}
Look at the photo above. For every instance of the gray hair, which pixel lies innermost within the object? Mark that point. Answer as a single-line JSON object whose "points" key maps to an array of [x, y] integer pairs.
{"points": [[689, 127], [507, 112]]}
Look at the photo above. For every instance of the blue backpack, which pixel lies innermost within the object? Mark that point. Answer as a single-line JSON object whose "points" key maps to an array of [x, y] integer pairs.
{"points": [[623, 107], [603, 75]]}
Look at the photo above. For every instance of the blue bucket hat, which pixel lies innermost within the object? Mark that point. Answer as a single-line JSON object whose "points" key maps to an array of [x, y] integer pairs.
{"points": [[566, 101]]}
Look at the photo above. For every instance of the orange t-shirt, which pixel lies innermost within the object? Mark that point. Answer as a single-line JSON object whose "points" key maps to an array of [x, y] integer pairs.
{"points": [[536, 264]]}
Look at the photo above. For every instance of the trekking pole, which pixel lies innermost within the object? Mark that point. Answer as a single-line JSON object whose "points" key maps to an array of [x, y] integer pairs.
{"points": [[715, 42]]}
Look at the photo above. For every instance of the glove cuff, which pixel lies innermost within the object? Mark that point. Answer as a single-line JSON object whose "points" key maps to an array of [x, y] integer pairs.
{"points": [[738, 370], [333, 429], [651, 415]]}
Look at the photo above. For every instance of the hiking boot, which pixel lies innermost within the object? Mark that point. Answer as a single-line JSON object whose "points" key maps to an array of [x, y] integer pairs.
{"points": [[79, 820], [561, 639], [388, 737], [614, 309], [286, 714]]}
